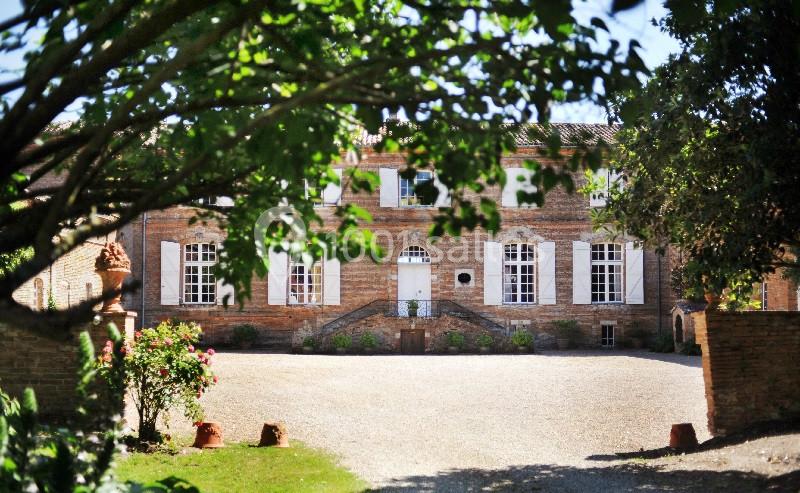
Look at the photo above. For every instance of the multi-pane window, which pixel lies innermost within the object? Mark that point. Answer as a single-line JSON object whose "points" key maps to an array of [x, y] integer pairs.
{"points": [[519, 273], [606, 273], [605, 180], [408, 197], [414, 255], [314, 193], [607, 335], [305, 283], [199, 282]]}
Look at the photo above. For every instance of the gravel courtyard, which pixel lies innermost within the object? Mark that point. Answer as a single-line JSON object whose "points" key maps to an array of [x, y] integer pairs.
{"points": [[394, 418]]}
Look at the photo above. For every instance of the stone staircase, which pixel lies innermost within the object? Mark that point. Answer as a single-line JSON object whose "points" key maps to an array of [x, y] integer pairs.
{"points": [[388, 308]]}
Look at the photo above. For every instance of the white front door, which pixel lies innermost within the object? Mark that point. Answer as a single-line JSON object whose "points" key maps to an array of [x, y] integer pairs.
{"points": [[414, 283]]}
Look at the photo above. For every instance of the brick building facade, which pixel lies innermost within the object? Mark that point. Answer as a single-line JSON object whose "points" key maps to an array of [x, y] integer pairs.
{"points": [[546, 264]]}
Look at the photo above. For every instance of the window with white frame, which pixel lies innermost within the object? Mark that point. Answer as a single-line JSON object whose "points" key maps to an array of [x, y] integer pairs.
{"points": [[604, 181], [606, 273], [305, 283], [607, 335], [314, 193], [408, 197], [519, 273], [414, 254], [199, 282]]}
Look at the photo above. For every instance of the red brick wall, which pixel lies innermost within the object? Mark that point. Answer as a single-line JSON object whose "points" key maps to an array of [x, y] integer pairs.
{"points": [[71, 278], [751, 367], [48, 366], [563, 218]]}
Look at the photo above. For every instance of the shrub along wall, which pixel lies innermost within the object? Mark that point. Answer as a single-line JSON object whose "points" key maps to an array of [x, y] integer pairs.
{"points": [[751, 367], [48, 366]]}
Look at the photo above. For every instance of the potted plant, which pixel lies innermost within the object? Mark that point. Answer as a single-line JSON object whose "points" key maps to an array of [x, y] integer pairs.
{"points": [[413, 308], [522, 339], [485, 342], [308, 344], [637, 336], [342, 343], [368, 342], [567, 333], [455, 341], [244, 336]]}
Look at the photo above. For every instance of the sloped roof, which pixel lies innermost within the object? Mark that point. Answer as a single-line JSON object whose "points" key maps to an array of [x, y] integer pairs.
{"points": [[526, 135]]}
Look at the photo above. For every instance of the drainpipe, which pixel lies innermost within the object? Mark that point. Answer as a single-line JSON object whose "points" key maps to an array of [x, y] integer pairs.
{"points": [[144, 264], [658, 292]]}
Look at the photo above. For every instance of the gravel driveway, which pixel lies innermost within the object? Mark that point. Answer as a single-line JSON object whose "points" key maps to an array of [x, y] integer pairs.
{"points": [[395, 419]]}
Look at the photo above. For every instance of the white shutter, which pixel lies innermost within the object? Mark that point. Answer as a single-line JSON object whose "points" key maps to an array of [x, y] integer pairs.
{"points": [[224, 289], [333, 192], [331, 274], [492, 273], [170, 273], [547, 273], [443, 199], [513, 185], [634, 274], [581, 273], [389, 187], [277, 278]]}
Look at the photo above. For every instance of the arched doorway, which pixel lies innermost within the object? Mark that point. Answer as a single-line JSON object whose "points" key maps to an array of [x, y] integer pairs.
{"points": [[414, 282]]}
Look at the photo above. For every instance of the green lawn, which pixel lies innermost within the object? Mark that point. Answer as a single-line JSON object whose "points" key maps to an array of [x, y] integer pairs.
{"points": [[245, 468]]}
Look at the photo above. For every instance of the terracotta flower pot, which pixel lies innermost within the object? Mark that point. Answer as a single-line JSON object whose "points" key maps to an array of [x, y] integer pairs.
{"points": [[682, 436], [522, 349], [368, 350], [308, 349], [452, 349], [274, 435], [562, 343], [341, 350], [485, 350], [112, 280], [209, 435]]}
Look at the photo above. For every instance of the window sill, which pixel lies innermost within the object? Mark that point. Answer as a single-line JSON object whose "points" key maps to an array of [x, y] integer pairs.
{"points": [[606, 303], [507, 303]]}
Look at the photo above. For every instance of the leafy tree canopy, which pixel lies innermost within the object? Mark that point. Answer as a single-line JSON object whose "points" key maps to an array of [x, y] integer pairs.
{"points": [[181, 99], [711, 146]]}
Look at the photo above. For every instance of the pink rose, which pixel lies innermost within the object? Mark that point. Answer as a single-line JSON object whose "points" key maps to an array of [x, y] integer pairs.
{"points": [[137, 334], [107, 358], [190, 348], [168, 341], [216, 379], [211, 351]]}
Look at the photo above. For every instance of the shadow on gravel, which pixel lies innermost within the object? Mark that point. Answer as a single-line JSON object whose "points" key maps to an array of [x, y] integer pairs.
{"points": [[763, 430], [678, 359], [626, 477]]}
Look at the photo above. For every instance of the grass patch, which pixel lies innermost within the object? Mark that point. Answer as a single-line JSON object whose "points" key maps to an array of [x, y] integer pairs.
{"points": [[240, 467]]}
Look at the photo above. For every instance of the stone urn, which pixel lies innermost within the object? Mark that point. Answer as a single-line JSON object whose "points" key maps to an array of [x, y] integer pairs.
{"points": [[209, 435], [113, 266]]}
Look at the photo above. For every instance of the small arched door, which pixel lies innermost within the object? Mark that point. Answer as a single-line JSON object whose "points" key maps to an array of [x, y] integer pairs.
{"points": [[414, 282]]}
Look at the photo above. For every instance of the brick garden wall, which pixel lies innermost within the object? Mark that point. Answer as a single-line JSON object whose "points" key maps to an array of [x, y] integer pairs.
{"points": [[48, 366], [751, 367]]}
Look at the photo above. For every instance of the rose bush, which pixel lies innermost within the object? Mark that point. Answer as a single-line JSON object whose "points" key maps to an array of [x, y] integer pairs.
{"points": [[164, 371]]}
